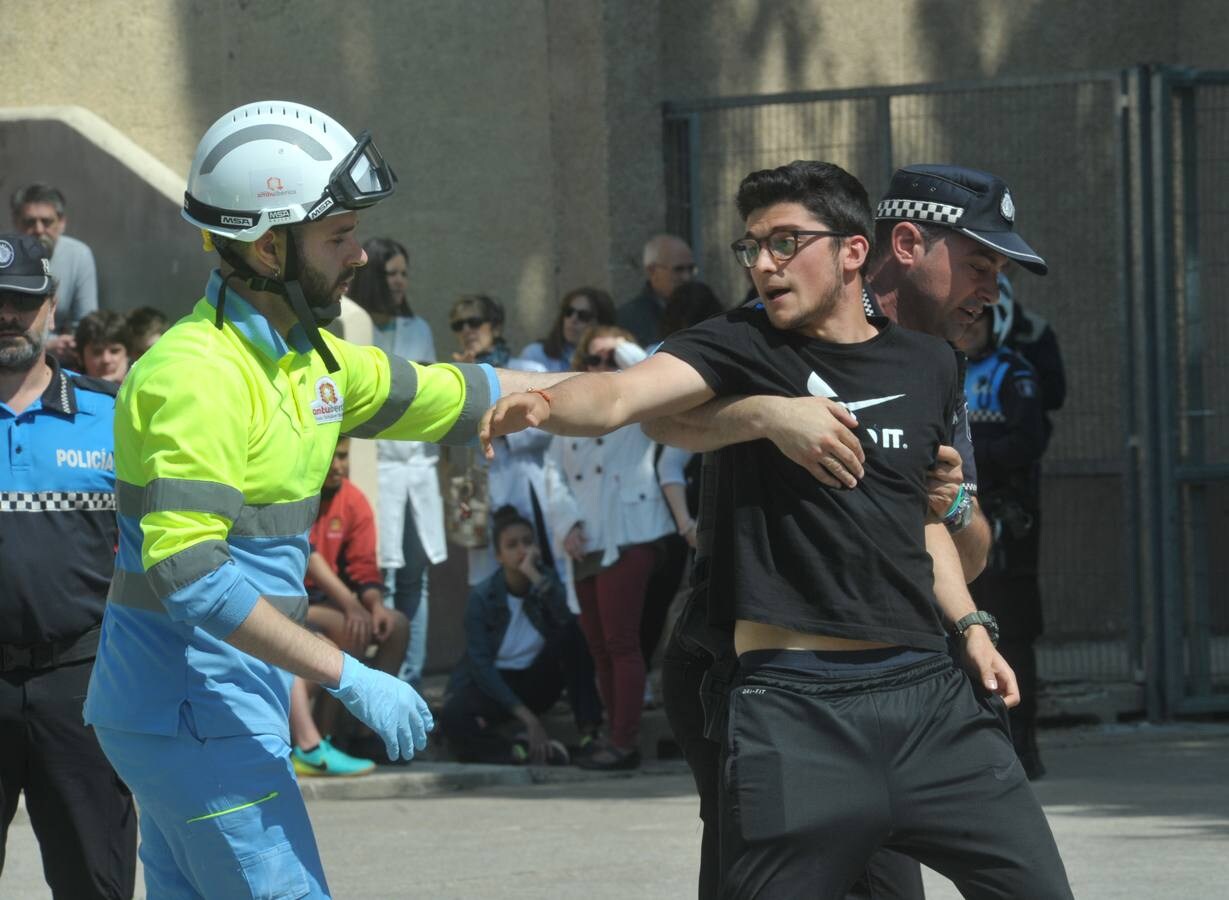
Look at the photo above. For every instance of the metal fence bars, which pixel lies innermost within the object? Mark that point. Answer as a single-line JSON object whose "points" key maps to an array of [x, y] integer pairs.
{"points": [[1112, 175]]}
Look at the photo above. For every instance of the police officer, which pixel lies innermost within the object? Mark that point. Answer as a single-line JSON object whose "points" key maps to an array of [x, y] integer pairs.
{"points": [[1006, 416], [1029, 334], [57, 548]]}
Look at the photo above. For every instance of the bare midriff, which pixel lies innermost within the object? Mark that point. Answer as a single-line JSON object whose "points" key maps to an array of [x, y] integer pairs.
{"points": [[758, 636]]}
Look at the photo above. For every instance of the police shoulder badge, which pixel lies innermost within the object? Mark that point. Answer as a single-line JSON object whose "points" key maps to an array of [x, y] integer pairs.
{"points": [[327, 403]]}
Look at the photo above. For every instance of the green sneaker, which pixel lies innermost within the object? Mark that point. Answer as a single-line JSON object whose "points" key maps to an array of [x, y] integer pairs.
{"points": [[326, 760]]}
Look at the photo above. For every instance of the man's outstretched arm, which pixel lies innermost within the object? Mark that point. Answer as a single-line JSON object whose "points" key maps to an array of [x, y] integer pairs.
{"points": [[813, 432], [595, 403], [513, 381]]}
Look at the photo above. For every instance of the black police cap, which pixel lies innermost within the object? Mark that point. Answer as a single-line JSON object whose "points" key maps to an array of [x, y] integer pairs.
{"points": [[975, 203], [25, 265]]}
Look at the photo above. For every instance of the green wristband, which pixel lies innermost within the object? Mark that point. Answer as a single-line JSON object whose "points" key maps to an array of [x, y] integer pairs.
{"points": [[951, 510]]}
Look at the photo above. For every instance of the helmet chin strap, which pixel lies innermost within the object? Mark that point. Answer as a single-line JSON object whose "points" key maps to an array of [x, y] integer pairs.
{"points": [[288, 287]]}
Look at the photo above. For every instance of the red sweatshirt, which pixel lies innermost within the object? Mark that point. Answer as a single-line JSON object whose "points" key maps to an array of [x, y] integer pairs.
{"points": [[345, 535]]}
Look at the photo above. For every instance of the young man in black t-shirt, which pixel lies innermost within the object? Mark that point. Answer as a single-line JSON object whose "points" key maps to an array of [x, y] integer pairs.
{"points": [[850, 728], [941, 235]]}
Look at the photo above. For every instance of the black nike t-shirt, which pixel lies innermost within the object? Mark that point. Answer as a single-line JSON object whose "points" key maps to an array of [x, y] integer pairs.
{"points": [[791, 552]]}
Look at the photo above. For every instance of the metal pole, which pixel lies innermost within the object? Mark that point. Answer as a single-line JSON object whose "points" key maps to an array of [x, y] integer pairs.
{"points": [[1199, 636], [1168, 535], [1132, 537], [1147, 378]]}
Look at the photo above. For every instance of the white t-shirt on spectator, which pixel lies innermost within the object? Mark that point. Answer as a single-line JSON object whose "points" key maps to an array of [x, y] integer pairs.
{"points": [[522, 642]]}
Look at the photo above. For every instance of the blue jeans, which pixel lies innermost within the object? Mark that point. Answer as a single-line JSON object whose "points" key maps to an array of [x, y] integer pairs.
{"points": [[408, 589]]}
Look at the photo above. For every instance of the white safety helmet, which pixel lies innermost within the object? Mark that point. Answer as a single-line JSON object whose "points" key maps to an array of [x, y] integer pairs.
{"points": [[277, 163]]}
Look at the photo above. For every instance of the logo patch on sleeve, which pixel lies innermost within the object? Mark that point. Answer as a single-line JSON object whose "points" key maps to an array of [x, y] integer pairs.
{"points": [[327, 404]]}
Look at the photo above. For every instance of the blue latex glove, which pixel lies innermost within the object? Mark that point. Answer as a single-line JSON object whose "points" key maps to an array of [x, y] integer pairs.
{"points": [[387, 705]]}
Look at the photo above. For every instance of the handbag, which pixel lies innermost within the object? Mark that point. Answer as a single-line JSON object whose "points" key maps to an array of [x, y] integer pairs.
{"points": [[467, 501]]}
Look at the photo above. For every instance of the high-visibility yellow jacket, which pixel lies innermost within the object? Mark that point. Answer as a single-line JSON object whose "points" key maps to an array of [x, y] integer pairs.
{"points": [[222, 442]]}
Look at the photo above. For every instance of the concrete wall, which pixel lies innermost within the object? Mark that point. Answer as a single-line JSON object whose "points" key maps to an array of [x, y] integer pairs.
{"points": [[527, 134], [492, 114], [146, 253]]}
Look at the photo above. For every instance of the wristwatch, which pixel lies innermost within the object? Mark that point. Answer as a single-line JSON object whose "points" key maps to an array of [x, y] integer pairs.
{"points": [[981, 617]]}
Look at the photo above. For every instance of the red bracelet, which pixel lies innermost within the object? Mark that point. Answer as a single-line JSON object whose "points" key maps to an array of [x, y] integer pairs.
{"points": [[545, 396]]}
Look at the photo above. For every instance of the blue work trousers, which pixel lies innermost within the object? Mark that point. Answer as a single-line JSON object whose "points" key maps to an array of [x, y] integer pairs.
{"points": [[219, 817]]}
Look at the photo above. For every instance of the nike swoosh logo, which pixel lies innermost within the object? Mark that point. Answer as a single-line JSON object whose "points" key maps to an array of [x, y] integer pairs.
{"points": [[817, 387], [863, 404]]}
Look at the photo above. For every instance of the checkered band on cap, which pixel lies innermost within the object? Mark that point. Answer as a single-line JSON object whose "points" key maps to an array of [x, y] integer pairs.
{"points": [[921, 210], [55, 501]]}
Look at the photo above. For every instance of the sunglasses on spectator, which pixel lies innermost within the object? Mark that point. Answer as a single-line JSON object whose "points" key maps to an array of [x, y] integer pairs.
{"points": [[585, 315], [680, 269], [472, 322], [605, 360], [21, 301]]}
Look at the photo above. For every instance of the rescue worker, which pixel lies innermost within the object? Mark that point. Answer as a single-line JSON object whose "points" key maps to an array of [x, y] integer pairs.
{"points": [[223, 437]]}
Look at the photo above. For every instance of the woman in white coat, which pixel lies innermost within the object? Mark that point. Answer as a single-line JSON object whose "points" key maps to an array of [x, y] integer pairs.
{"points": [[613, 481], [411, 511]]}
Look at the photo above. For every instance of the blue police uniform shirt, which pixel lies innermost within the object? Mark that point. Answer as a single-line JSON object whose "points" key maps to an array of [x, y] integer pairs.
{"points": [[57, 510]]}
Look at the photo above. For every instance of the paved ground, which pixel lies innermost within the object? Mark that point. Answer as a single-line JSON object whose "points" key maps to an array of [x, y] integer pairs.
{"points": [[1139, 813]]}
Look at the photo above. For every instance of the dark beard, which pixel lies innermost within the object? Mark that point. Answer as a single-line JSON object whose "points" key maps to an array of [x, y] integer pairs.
{"points": [[319, 295], [21, 357]]}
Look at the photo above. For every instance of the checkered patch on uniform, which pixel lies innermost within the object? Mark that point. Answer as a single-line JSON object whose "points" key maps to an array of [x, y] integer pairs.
{"points": [[920, 210], [986, 415], [55, 501]]}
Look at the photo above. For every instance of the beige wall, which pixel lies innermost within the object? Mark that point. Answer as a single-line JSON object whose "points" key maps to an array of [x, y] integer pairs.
{"points": [[527, 134], [493, 115], [734, 47]]}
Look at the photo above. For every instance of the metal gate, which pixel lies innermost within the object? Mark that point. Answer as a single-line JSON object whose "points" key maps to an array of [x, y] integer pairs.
{"points": [[1085, 156], [1183, 173]]}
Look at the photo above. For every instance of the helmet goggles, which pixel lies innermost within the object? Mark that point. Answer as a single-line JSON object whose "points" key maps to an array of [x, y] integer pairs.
{"points": [[361, 179]]}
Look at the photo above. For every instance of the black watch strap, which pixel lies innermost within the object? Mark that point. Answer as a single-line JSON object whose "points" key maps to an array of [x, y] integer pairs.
{"points": [[981, 617]]}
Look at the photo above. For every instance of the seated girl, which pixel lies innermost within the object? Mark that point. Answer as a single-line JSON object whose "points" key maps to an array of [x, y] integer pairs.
{"points": [[520, 650]]}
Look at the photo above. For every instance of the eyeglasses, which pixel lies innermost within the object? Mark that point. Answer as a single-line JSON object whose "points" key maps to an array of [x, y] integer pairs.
{"points": [[605, 360], [781, 244], [472, 322], [585, 315]]}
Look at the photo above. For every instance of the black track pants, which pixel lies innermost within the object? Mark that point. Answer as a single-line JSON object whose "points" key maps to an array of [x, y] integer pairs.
{"points": [[887, 876], [821, 771]]}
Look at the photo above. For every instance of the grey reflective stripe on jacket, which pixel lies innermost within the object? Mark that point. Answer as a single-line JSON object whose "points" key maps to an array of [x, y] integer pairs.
{"points": [[401, 393], [187, 566], [477, 402], [133, 589], [178, 495], [287, 519]]}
